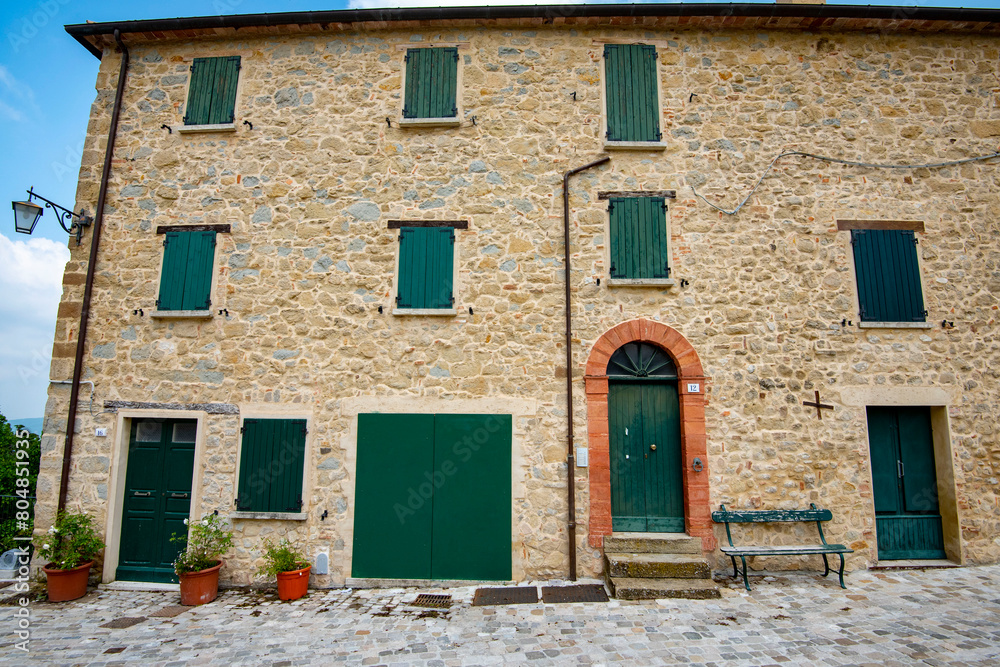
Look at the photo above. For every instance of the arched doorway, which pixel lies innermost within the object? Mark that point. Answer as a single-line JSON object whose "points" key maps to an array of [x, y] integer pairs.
{"points": [[690, 385], [644, 440]]}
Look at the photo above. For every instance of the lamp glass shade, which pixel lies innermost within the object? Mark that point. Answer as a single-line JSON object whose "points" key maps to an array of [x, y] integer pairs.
{"points": [[26, 214]]}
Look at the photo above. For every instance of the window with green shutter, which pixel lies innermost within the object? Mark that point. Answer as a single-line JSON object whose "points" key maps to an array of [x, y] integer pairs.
{"points": [[186, 276], [431, 83], [885, 261], [272, 459], [632, 98], [638, 238], [212, 93], [426, 263]]}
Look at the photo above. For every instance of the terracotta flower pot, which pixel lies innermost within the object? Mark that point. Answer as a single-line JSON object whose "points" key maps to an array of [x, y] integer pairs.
{"points": [[293, 585], [67, 584], [200, 587]]}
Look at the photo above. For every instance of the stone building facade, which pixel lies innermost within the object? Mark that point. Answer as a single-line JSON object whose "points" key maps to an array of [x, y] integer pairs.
{"points": [[307, 191]]}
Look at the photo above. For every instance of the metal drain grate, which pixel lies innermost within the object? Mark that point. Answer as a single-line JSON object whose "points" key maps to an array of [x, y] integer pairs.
{"points": [[436, 601], [491, 596], [169, 611], [124, 622], [578, 593]]}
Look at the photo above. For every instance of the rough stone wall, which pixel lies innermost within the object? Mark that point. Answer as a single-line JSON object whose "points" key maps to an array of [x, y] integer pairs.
{"points": [[309, 189]]}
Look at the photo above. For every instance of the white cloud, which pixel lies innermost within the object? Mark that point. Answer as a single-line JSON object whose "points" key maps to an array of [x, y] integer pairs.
{"points": [[31, 286], [18, 93]]}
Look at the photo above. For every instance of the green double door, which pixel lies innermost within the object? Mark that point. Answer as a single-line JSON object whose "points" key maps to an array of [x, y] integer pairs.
{"points": [[904, 479], [157, 498], [433, 497], [645, 440]]}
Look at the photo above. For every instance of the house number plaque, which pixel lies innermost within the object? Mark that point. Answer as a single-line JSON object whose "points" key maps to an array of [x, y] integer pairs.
{"points": [[694, 387]]}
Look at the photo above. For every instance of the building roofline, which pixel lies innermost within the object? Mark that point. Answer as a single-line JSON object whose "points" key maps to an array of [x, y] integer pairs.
{"points": [[817, 16]]}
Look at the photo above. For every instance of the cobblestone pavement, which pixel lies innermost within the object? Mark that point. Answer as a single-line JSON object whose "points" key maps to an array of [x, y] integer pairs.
{"points": [[932, 617]]}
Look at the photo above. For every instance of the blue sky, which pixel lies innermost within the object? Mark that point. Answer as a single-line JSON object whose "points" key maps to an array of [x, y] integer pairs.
{"points": [[46, 90]]}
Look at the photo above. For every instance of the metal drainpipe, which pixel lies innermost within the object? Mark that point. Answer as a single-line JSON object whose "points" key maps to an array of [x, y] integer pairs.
{"points": [[91, 270], [570, 456]]}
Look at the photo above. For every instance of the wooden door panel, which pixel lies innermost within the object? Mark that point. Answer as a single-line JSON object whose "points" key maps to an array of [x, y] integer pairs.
{"points": [[472, 497], [628, 476], [907, 518], [393, 499], [156, 499]]}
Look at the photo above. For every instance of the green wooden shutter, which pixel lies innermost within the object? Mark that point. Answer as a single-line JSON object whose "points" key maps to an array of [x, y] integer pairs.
{"points": [[198, 277], [186, 276], [174, 271], [272, 456], [212, 92], [638, 238], [631, 92], [885, 262], [431, 83], [426, 263]]}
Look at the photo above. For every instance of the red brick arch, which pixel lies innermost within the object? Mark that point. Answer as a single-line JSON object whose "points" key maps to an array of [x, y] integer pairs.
{"points": [[697, 515]]}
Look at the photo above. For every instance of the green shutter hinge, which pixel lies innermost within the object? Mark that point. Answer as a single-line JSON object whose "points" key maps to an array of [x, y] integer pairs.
{"points": [[192, 67], [659, 136], [455, 53], [165, 239], [208, 303], [607, 50], [611, 207], [157, 304], [243, 429], [454, 111], [916, 241]]}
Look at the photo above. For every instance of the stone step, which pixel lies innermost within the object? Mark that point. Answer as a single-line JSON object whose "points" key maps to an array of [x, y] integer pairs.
{"points": [[652, 543], [626, 588], [655, 566]]}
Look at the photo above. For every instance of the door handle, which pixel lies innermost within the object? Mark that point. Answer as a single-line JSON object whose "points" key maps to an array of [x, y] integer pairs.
{"points": [[141, 494], [652, 448], [180, 495], [899, 469]]}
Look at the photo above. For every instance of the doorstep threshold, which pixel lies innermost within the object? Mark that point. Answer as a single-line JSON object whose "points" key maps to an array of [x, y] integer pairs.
{"points": [[419, 583], [915, 564], [140, 586]]}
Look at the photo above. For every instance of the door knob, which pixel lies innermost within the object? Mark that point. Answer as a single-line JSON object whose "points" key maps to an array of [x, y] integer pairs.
{"points": [[652, 448]]}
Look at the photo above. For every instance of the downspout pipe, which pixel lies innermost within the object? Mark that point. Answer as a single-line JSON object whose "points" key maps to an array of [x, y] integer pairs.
{"points": [[570, 454], [88, 290]]}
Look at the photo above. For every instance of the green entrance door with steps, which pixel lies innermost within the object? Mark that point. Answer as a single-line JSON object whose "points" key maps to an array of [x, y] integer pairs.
{"points": [[904, 479], [645, 441], [157, 497]]}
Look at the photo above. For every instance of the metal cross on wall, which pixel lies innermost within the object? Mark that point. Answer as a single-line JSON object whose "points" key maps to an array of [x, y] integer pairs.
{"points": [[819, 406]]}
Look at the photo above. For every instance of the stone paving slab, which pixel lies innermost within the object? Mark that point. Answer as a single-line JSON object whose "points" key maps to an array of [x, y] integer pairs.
{"points": [[931, 617]]}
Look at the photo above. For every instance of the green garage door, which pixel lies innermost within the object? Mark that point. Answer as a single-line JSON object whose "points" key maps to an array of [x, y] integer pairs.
{"points": [[432, 498]]}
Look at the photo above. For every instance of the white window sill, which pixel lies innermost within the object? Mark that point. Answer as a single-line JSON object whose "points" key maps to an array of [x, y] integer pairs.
{"points": [[635, 146], [277, 516], [449, 121], [182, 314], [895, 325], [425, 311], [216, 127], [641, 282]]}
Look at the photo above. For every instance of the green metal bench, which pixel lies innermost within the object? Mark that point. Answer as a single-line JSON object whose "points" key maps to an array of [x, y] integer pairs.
{"points": [[772, 516]]}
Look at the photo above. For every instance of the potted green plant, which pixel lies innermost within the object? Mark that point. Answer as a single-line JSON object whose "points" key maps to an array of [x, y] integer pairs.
{"points": [[291, 568], [70, 547], [198, 564]]}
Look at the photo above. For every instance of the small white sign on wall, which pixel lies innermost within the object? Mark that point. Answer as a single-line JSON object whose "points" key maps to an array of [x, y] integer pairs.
{"points": [[581, 457], [694, 387], [101, 432]]}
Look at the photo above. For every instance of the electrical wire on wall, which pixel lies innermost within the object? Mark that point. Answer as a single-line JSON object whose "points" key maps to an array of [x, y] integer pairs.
{"points": [[929, 165]]}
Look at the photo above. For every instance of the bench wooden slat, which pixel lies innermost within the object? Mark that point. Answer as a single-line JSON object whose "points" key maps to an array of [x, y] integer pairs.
{"points": [[785, 550], [769, 516]]}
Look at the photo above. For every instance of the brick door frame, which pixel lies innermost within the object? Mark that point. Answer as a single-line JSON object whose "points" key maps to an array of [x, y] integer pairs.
{"points": [[694, 443]]}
